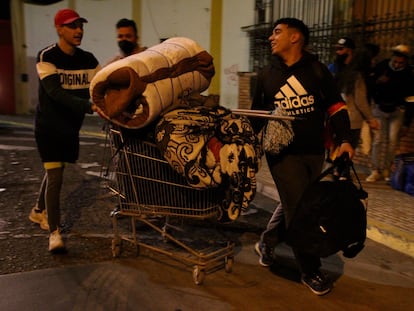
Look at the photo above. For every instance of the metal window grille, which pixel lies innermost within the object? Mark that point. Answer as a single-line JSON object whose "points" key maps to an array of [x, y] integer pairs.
{"points": [[383, 22]]}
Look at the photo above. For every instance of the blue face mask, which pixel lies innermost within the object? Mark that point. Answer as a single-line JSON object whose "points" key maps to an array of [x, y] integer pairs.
{"points": [[127, 47]]}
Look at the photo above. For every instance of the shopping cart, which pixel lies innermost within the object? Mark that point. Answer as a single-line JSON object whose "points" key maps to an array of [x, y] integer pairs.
{"points": [[148, 187]]}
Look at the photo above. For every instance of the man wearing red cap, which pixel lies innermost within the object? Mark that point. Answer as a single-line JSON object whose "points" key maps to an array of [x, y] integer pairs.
{"points": [[64, 72]]}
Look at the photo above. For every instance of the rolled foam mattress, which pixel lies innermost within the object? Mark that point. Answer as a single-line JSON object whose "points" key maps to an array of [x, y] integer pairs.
{"points": [[133, 91]]}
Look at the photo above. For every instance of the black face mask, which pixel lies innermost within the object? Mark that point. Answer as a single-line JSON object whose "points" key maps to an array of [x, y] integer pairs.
{"points": [[340, 59], [127, 46]]}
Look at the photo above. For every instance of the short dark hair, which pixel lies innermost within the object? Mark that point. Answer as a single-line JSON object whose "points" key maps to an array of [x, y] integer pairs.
{"points": [[124, 22], [292, 22]]}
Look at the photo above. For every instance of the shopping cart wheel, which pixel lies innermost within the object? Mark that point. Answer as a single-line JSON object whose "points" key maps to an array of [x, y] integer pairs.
{"points": [[228, 264], [116, 247], [198, 275]]}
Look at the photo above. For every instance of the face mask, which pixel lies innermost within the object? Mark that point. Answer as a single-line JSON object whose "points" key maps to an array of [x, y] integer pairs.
{"points": [[127, 46], [341, 58], [393, 68]]}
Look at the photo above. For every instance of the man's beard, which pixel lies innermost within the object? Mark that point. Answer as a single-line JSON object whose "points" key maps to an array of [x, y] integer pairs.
{"points": [[340, 59]]}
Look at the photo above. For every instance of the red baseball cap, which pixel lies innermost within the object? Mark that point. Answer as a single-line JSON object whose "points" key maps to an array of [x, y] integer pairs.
{"points": [[67, 16]]}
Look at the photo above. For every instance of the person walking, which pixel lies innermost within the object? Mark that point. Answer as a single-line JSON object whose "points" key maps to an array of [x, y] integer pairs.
{"points": [[394, 82], [344, 50], [64, 72], [303, 87], [353, 86], [127, 38]]}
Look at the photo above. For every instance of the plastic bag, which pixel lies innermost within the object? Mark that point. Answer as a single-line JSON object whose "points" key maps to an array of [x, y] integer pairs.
{"points": [[278, 133]]}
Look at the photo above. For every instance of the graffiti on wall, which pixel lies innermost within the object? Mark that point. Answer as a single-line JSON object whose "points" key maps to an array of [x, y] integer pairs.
{"points": [[230, 75]]}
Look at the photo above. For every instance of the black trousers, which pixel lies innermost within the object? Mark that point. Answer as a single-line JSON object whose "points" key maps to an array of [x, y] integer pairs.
{"points": [[49, 196], [292, 174]]}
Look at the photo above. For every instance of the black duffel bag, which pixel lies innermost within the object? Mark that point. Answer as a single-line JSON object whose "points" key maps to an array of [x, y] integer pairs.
{"points": [[331, 215]]}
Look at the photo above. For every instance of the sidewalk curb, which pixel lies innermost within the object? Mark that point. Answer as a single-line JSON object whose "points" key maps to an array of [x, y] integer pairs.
{"points": [[30, 126], [391, 237]]}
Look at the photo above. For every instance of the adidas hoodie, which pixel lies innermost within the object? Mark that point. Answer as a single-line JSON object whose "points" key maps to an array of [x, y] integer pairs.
{"points": [[305, 90]]}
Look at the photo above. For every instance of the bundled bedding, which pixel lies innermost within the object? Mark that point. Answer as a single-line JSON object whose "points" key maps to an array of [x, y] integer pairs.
{"points": [[133, 91], [159, 89], [212, 147]]}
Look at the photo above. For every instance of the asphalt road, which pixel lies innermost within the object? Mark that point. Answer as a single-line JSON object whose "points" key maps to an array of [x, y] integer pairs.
{"points": [[88, 278]]}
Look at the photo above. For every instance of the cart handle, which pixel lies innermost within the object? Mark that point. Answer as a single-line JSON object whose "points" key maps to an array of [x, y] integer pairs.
{"points": [[262, 114]]}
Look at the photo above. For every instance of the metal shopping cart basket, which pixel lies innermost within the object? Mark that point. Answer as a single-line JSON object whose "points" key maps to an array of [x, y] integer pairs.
{"points": [[147, 187]]}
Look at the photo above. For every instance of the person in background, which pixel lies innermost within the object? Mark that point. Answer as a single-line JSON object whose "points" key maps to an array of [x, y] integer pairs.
{"points": [[298, 83], [353, 86], [394, 82], [64, 72], [372, 51], [127, 37], [344, 50]]}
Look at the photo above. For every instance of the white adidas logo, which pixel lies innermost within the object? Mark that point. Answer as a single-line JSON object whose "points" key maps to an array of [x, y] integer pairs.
{"points": [[294, 98]]}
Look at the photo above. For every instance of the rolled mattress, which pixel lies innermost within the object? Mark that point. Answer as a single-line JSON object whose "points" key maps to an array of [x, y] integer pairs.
{"points": [[133, 91]]}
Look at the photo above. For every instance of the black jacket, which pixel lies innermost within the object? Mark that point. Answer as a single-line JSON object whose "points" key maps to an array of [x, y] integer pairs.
{"points": [[391, 94]]}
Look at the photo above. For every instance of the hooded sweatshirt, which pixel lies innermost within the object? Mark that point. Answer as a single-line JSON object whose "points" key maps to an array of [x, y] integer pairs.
{"points": [[306, 90], [63, 101]]}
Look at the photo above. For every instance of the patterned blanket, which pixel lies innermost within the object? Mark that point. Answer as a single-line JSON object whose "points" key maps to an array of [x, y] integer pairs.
{"points": [[211, 147]]}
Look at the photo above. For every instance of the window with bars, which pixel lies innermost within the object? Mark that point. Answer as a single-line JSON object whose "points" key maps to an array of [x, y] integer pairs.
{"points": [[383, 22]]}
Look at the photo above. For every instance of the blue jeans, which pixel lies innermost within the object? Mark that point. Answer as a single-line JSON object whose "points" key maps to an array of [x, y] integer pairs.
{"points": [[386, 138]]}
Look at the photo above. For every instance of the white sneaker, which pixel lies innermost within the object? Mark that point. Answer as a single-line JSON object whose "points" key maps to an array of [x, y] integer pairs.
{"points": [[55, 242], [375, 176], [386, 174], [39, 217]]}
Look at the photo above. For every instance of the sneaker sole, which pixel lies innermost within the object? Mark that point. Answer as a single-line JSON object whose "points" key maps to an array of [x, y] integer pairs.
{"points": [[257, 250], [319, 293], [58, 250], [42, 225], [32, 219]]}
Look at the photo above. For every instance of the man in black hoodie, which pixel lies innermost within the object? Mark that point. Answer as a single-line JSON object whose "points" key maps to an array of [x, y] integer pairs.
{"points": [[299, 84]]}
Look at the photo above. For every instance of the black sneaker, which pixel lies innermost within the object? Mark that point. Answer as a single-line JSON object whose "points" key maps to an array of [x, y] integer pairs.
{"points": [[317, 282], [265, 253]]}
